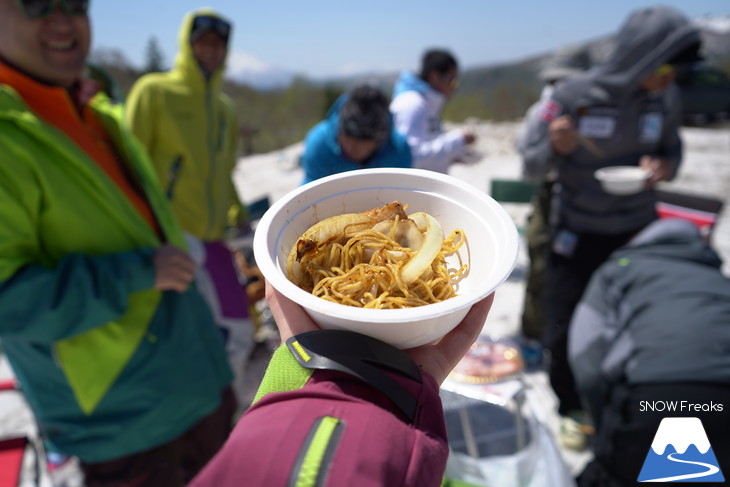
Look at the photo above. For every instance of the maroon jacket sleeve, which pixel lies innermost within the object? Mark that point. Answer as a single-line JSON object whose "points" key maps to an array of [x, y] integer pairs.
{"points": [[335, 431]]}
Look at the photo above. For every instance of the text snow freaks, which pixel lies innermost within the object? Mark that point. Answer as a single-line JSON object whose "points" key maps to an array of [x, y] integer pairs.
{"points": [[680, 406]]}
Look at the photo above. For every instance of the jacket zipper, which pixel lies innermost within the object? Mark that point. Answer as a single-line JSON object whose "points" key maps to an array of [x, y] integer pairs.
{"points": [[172, 175], [316, 455]]}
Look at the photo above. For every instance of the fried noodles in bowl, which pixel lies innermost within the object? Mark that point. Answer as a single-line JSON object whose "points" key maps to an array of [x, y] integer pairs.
{"points": [[489, 248], [380, 259]]}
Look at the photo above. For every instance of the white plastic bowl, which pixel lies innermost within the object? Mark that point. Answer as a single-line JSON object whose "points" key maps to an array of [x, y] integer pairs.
{"points": [[622, 180], [490, 250]]}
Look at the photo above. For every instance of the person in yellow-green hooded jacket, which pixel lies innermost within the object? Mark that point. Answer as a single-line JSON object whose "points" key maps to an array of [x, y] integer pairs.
{"points": [[114, 348], [189, 128]]}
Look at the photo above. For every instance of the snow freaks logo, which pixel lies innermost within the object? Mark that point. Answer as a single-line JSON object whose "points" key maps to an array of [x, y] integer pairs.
{"points": [[681, 452]]}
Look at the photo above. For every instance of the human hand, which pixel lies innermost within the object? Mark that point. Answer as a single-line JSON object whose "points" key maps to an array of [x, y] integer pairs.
{"points": [[437, 358], [174, 269], [563, 135], [291, 319], [660, 169]]}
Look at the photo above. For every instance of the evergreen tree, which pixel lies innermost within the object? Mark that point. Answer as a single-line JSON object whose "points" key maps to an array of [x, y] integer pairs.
{"points": [[155, 60]]}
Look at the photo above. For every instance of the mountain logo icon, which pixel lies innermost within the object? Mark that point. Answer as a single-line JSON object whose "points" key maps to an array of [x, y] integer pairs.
{"points": [[681, 452]]}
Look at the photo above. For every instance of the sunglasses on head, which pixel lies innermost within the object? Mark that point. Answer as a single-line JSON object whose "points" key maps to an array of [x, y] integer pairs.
{"points": [[211, 24], [36, 9]]}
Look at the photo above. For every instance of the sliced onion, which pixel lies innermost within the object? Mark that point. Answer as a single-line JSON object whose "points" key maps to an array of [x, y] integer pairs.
{"points": [[432, 241]]}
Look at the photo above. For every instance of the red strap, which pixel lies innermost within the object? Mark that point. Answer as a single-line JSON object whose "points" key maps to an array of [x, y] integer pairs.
{"points": [[11, 461], [8, 385]]}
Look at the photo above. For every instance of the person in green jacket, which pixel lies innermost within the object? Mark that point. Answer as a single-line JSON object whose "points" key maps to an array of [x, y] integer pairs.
{"points": [[114, 348], [189, 127]]}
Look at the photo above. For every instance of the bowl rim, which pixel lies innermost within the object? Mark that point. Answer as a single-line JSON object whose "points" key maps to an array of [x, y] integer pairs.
{"points": [[281, 282], [605, 174]]}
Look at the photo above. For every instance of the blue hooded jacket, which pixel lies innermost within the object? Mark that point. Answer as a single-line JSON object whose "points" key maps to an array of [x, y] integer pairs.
{"points": [[323, 155]]}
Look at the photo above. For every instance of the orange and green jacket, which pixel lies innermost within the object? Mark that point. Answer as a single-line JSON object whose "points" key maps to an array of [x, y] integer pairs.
{"points": [[189, 128], [109, 365]]}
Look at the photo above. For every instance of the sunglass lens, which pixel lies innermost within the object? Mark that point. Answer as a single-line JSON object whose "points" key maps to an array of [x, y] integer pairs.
{"points": [[36, 8], [40, 8], [222, 28], [202, 23], [206, 24]]}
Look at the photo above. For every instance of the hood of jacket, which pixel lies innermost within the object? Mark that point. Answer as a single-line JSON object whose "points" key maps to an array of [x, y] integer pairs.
{"points": [[186, 65], [648, 38], [333, 114], [408, 81], [332, 124], [672, 237]]}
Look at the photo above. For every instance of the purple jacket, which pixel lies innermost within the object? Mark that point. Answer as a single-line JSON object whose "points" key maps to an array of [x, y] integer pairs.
{"points": [[334, 431]]}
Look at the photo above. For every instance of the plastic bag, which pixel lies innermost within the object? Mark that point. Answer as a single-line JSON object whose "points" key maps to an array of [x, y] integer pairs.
{"points": [[538, 464]]}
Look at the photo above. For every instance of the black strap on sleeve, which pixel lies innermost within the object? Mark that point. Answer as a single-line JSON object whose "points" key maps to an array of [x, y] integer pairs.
{"points": [[360, 356]]}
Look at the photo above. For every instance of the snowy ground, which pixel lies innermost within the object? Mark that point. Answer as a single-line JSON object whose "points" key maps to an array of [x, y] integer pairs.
{"points": [[706, 171]]}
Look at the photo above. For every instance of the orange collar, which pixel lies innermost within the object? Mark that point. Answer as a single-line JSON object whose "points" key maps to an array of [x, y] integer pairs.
{"points": [[68, 111], [53, 103]]}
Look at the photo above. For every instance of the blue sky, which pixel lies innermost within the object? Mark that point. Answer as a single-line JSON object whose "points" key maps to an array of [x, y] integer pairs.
{"points": [[322, 38]]}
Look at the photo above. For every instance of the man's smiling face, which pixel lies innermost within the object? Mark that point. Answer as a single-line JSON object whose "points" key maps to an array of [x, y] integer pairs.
{"points": [[51, 49]]}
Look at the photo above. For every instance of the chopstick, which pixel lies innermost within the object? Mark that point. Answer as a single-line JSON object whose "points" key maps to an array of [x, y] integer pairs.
{"points": [[591, 146]]}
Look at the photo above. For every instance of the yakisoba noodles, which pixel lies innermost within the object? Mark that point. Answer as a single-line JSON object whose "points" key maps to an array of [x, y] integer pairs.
{"points": [[382, 258]]}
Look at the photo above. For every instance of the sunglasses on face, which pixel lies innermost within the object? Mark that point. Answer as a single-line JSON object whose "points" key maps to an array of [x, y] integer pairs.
{"points": [[211, 24], [452, 79], [36, 9]]}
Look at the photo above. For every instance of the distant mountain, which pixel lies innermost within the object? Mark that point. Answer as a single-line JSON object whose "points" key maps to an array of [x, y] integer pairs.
{"points": [[715, 33], [498, 91], [248, 69], [272, 79], [716, 23], [382, 80], [716, 39], [257, 74]]}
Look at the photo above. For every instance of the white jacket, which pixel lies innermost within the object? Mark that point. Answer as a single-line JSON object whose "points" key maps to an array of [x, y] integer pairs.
{"points": [[417, 116]]}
